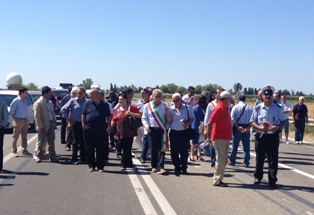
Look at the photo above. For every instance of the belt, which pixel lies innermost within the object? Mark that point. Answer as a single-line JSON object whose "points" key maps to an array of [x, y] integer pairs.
{"points": [[179, 131], [155, 128], [268, 132]]}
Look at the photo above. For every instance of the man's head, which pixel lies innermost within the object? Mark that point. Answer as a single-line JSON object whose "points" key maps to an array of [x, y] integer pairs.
{"points": [[268, 92], [242, 97], [23, 92], [176, 99], [95, 96], [81, 93], [46, 92], [130, 94], [283, 99], [191, 91], [225, 97], [145, 94], [301, 100], [157, 96], [217, 92]]}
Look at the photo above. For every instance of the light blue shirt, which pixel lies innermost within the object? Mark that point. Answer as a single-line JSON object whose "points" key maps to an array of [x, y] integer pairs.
{"points": [[18, 108], [47, 103], [237, 111], [148, 118], [286, 106], [272, 114], [75, 106], [178, 116]]}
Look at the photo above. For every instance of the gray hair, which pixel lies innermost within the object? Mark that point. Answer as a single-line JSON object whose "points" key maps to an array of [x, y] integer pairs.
{"points": [[176, 95]]}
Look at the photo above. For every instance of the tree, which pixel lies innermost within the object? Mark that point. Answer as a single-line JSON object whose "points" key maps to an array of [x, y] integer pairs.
{"points": [[31, 86], [172, 88], [87, 83], [164, 89]]}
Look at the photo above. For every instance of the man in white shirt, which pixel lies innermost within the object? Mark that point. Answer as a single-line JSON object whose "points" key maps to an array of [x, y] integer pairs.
{"points": [[286, 110]]}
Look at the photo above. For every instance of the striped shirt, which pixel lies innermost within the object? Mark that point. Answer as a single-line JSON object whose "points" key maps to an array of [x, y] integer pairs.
{"points": [[237, 111], [18, 108], [179, 116]]}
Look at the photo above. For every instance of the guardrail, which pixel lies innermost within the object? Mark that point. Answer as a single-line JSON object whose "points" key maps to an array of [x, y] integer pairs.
{"points": [[311, 121]]}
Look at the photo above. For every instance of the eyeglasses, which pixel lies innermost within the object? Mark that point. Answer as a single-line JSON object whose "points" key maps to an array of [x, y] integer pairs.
{"points": [[177, 100]]}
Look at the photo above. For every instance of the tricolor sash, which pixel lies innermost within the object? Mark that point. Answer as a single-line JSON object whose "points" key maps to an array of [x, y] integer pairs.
{"points": [[161, 124]]}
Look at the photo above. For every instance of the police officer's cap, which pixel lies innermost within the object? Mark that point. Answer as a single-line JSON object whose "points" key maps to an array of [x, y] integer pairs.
{"points": [[268, 90]]}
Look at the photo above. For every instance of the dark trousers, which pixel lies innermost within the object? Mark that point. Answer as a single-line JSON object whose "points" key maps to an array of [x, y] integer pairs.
{"points": [[299, 127], [95, 140], [157, 157], [269, 144], [126, 145], [179, 145], [78, 143], [1, 148], [63, 129]]}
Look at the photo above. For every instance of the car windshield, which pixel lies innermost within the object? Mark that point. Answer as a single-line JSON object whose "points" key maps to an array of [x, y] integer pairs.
{"points": [[7, 99]]}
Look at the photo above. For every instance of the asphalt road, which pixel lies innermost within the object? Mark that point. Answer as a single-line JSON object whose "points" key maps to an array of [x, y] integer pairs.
{"points": [[47, 188]]}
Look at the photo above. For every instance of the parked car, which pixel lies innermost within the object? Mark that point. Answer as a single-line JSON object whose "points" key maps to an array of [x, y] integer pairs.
{"points": [[35, 94], [7, 97]]}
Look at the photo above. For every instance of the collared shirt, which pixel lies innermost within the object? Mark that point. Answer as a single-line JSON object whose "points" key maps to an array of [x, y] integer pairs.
{"points": [[4, 115], [272, 114], [47, 103], [75, 106], [301, 110], [148, 118], [185, 100], [96, 116], [18, 108], [221, 123], [286, 106], [237, 111], [110, 106], [257, 102], [140, 104], [179, 116], [209, 109]]}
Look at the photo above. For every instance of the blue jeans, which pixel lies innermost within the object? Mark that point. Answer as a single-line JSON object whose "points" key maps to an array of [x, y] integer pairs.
{"points": [[145, 147], [245, 138]]}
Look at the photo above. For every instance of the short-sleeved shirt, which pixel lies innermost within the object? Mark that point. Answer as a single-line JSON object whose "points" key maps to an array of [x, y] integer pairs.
{"points": [[301, 110], [221, 122], [286, 106], [96, 116], [18, 108], [272, 114], [178, 116]]}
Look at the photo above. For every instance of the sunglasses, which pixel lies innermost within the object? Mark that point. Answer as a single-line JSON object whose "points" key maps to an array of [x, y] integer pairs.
{"points": [[177, 100]]}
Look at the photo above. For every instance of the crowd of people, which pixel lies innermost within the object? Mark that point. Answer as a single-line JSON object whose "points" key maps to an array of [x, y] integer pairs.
{"points": [[92, 125]]}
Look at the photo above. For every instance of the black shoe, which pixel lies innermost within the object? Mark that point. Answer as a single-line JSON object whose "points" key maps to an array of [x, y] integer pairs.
{"points": [[53, 160], [184, 172], [274, 186], [257, 181], [177, 172], [220, 184]]}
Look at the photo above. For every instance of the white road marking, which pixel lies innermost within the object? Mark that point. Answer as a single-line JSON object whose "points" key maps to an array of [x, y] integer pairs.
{"points": [[160, 198], [141, 194], [285, 166], [7, 157]]}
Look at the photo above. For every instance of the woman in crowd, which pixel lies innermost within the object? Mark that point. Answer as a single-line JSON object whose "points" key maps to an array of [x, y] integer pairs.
{"points": [[199, 113], [124, 133]]}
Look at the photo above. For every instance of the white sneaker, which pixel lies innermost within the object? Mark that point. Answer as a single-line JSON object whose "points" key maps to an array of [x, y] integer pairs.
{"points": [[296, 142], [14, 154], [287, 142], [301, 142]]}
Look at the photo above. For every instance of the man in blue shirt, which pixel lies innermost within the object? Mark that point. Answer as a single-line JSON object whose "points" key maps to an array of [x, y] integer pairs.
{"points": [[267, 119], [72, 111], [19, 114]]}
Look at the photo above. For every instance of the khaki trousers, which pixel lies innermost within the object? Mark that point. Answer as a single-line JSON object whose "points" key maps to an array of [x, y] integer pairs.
{"points": [[221, 149], [20, 127], [42, 137]]}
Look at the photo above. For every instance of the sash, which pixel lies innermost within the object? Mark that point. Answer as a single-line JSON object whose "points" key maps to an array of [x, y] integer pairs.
{"points": [[161, 124]]}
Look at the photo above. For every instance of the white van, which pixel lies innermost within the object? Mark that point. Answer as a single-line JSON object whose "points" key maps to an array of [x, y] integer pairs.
{"points": [[7, 97]]}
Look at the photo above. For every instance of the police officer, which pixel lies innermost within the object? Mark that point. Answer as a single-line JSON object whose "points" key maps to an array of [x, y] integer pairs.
{"points": [[267, 119]]}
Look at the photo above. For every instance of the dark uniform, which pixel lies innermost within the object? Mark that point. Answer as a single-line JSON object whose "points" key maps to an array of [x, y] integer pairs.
{"points": [[267, 141]]}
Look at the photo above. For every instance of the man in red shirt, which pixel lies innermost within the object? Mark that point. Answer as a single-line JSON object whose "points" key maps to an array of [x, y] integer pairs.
{"points": [[219, 130]]}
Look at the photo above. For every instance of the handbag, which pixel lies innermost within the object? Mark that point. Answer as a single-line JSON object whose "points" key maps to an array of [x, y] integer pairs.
{"points": [[191, 132], [135, 122], [201, 128]]}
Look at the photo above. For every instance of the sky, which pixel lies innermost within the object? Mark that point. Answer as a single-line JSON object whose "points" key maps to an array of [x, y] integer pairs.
{"points": [[157, 42]]}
